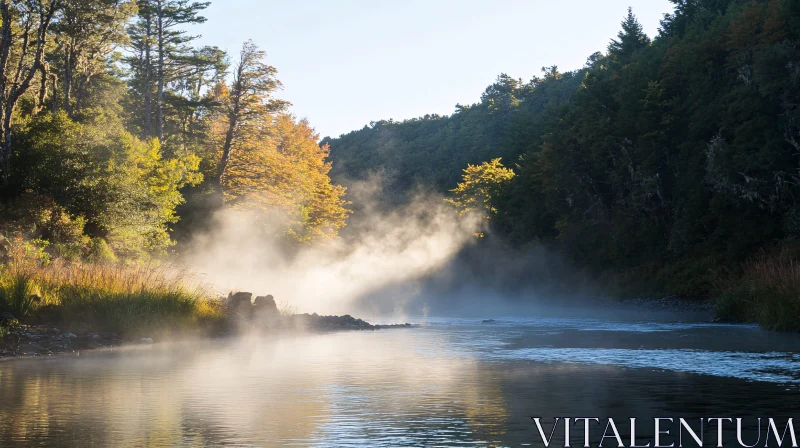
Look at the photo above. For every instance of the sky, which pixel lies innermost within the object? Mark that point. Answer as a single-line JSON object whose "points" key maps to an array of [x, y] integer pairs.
{"points": [[346, 63]]}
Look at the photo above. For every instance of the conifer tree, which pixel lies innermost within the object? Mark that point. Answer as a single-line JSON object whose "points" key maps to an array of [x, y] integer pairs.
{"points": [[630, 40]]}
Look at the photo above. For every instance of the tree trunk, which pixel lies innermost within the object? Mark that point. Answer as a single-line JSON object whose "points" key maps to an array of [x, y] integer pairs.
{"points": [[226, 148], [5, 47], [148, 100], [160, 99], [10, 94]]}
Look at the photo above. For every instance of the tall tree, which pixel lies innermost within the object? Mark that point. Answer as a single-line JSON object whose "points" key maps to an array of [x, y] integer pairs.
{"points": [[23, 39], [172, 44], [162, 51], [87, 32], [250, 103], [630, 40]]}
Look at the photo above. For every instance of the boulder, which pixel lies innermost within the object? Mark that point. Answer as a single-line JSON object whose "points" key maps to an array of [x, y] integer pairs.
{"points": [[266, 306], [240, 302], [146, 341]]}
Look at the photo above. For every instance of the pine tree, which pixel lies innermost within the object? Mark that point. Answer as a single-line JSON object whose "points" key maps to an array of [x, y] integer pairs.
{"points": [[87, 32], [629, 41], [162, 50]]}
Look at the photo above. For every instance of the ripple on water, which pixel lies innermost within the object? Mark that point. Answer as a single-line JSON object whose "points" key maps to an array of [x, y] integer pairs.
{"points": [[778, 367]]}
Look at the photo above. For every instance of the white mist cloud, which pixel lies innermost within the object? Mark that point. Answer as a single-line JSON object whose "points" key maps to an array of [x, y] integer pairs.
{"points": [[387, 249]]}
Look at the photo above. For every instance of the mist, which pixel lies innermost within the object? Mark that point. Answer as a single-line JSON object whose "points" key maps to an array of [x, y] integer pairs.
{"points": [[382, 249]]}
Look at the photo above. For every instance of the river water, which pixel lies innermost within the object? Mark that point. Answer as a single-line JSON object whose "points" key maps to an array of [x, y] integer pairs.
{"points": [[445, 383]]}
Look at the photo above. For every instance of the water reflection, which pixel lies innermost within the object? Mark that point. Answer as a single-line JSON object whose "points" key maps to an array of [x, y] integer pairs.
{"points": [[458, 384]]}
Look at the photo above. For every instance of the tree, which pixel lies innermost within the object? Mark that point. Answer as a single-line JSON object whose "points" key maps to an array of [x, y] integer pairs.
{"points": [[481, 185], [161, 52], [87, 32], [285, 177], [250, 103], [24, 35], [630, 40]]}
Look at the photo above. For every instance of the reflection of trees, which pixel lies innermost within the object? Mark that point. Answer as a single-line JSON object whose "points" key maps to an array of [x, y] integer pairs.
{"points": [[304, 388], [381, 388]]}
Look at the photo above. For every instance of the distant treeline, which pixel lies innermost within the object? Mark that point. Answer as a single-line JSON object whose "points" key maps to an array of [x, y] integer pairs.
{"points": [[667, 161]]}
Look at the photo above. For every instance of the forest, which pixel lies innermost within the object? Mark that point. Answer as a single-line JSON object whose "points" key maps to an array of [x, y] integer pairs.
{"points": [[120, 137], [664, 166], [112, 118]]}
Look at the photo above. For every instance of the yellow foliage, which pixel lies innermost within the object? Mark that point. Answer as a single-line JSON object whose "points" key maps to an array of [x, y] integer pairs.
{"points": [[279, 169], [481, 183]]}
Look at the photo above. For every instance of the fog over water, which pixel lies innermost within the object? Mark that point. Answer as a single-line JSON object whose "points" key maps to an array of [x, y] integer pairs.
{"points": [[447, 383]]}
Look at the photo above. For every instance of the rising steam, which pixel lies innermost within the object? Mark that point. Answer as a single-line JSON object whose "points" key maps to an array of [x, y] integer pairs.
{"points": [[386, 249]]}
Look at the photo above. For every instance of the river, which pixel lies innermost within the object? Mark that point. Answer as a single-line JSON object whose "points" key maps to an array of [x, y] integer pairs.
{"points": [[445, 383]]}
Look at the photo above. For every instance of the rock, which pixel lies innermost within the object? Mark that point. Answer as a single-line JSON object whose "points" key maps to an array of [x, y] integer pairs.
{"points": [[94, 337], [53, 331], [266, 306], [489, 321], [146, 341], [31, 336], [7, 316], [70, 336], [241, 301]]}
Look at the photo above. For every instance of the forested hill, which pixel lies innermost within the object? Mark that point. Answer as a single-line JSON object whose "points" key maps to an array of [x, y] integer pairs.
{"points": [[431, 151], [672, 158]]}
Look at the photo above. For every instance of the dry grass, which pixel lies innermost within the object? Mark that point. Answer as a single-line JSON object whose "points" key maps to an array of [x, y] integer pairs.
{"points": [[133, 301], [768, 292]]}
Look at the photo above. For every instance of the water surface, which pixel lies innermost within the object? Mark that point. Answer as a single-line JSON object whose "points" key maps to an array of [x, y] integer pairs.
{"points": [[447, 383]]}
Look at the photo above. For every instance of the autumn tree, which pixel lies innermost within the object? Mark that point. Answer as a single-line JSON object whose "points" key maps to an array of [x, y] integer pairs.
{"points": [[285, 177], [250, 103], [481, 184]]}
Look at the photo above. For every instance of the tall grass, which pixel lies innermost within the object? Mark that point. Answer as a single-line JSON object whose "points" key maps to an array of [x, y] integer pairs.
{"points": [[132, 301], [19, 293], [768, 292]]}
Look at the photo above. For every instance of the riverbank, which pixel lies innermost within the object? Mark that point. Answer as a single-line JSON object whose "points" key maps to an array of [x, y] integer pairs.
{"points": [[29, 341], [71, 307]]}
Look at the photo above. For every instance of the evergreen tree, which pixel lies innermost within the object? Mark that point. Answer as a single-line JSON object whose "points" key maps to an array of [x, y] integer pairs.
{"points": [[630, 40]]}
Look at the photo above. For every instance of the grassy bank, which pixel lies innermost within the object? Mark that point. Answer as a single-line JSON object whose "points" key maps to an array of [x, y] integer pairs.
{"points": [[141, 301], [767, 292]]}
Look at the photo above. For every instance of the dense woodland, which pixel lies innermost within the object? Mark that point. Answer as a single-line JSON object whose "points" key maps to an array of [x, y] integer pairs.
{"points": [[115, 126], [668, 165], [667, 161]]}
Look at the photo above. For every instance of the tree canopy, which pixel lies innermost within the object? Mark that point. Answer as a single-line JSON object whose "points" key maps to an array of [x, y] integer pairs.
{"points": [[115, 127]]}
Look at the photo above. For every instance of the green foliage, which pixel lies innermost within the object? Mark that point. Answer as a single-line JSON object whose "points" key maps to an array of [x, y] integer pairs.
{"points": [[663, 161], [480, 186], [431, 151], [87, 182], [18, 294]]}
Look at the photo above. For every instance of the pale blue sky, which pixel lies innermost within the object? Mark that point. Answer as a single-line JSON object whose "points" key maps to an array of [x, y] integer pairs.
{"points": [[345, 63]]}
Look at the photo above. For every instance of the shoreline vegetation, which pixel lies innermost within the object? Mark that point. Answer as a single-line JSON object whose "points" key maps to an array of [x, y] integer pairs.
{"points": [[67, 308]]}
